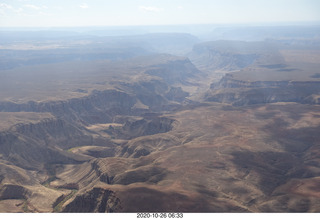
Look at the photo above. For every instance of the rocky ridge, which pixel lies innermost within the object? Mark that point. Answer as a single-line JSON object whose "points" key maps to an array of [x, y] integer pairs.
{"points": [[142, 145], [238, 92]]}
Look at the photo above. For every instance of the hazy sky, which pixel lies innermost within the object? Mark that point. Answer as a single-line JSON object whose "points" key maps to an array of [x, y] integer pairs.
{"points": [[44, 13]]}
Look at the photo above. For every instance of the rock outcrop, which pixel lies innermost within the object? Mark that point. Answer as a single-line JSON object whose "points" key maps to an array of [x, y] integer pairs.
{"points": [[100, 106], [10, 191], [95, 200], [232, 55], [238, 92], [34, 144]]}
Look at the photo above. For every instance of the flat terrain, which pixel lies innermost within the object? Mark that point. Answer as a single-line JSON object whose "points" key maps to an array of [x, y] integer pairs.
{"points": [[298, 65], [280, 72]]}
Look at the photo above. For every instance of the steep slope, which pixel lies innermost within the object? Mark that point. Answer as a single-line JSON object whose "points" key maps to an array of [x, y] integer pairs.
{"points": [[233, 55], [261, 85], [40, 137], [290, 75], [32, 145], [106, 88], [124, 136], [218, 158]]}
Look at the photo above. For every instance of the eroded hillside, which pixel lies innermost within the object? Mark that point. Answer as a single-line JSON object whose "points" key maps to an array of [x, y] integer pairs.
{"points": [[156, 134]]}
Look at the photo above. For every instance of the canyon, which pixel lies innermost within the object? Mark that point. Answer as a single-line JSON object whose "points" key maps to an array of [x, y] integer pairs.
{"points": [[217, 126]]}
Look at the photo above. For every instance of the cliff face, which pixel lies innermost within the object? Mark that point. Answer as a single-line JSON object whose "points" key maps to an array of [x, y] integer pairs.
{"points": [[54, 132], [147, 126], [96, 200], [238, 92], [174, 72], [34, 144], [39, 146], [229, 82], [232, 55], [97, 107], [13, 192], [103, 106]]}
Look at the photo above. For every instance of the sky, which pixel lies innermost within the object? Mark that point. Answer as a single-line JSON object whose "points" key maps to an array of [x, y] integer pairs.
{"points": [[64, 13]]}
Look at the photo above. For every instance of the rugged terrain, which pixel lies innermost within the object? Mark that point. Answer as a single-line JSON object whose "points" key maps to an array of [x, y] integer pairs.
{"points": [[275, 73], [232, 128]]}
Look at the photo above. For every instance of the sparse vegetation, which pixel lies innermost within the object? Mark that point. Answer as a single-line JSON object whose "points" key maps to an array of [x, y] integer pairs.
{"points": [[114, 126], [58, 207]]}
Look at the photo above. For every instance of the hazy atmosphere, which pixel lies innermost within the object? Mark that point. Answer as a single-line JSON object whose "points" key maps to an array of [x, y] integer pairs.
{"points": [[48, 13], [163, 106]]}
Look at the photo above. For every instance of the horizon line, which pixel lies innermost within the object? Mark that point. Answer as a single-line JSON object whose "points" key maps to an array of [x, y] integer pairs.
{"points": [[272, 23]]}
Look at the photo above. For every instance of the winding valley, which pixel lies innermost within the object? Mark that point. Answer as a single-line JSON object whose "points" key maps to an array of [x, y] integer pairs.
{"points": [[228, 126]]}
